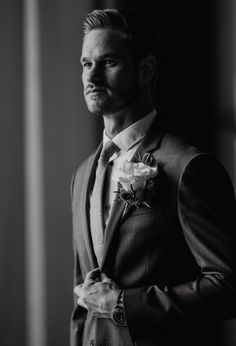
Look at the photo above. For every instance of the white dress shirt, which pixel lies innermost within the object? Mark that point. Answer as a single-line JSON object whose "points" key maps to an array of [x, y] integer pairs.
{"points": [[128, 141]]}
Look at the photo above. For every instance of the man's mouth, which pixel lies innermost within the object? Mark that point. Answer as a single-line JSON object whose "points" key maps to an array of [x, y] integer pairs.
{"points": [[95, 91]]}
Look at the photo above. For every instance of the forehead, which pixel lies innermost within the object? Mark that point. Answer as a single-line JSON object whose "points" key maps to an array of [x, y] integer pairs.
{"points": [[102, 42]]}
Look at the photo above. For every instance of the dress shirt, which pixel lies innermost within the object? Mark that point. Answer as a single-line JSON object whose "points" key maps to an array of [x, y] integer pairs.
{"points": [[128, 141]]}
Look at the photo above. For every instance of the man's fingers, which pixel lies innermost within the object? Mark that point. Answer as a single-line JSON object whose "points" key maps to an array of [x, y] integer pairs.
{"points": [[77, 289], [81, 303], [92, 275], [108, 280], [103, 276], [90, 278]]}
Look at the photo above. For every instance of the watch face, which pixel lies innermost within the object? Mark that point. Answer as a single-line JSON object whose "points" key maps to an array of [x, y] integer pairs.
{"points": [[118, 316]]}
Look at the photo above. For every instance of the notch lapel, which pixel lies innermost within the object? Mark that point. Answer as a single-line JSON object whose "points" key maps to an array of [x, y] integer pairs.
{"points": [[88, 180], [150, 142]]}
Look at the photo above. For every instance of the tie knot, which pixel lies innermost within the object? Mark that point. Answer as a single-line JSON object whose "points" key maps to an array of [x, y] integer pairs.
{"points": [[108, 150]]}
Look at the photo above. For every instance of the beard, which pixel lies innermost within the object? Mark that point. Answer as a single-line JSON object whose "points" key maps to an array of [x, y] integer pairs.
{"points": [[104, 103], [98, 104]]}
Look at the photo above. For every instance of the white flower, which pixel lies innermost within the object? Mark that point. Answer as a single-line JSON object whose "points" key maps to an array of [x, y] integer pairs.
{"points": [[134, 175]]}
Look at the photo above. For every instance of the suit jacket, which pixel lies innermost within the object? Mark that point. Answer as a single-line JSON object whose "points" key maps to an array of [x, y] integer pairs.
{"points": [[175, 260]]}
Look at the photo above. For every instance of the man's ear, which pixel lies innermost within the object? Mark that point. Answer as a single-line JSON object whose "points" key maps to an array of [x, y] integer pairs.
{"points": [[147, 69]]}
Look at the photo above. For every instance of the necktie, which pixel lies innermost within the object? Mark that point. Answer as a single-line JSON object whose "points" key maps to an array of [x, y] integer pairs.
{"points": [[96, 201]]}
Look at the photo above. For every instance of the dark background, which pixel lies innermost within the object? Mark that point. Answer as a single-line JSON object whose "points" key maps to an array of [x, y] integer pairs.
{"points": [[195, 97]]}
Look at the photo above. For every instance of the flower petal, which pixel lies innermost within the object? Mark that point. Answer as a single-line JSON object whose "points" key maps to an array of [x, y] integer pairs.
{"points": [[127, 167], [125, 183]]}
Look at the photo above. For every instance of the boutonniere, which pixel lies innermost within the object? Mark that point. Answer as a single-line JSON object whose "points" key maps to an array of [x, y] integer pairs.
{"points": [[136, 185]]}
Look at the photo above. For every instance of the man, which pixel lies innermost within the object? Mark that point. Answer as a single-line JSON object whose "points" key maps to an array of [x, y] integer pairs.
{"points": [[153, 216]]}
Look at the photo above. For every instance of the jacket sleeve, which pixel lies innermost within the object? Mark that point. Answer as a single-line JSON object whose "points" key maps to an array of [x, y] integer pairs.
{"points": [[78, 314], [206, 210]]}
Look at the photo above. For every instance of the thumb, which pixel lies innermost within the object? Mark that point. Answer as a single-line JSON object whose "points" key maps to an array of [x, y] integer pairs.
{"points": [[92, 275], [103, 276]]}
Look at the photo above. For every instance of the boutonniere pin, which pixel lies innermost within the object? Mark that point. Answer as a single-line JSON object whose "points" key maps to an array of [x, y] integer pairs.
{"points": [[136, 185]]}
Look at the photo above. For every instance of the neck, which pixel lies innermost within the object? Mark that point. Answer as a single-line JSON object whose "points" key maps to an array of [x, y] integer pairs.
{"points": [[118, 121]]}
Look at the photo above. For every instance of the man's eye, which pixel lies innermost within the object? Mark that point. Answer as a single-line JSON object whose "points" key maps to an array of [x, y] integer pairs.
{"points": [[109, 62], [87, 64]]}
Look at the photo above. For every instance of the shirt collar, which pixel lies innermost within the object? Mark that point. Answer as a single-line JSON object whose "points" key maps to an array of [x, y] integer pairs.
{"points": [[130, 136]]}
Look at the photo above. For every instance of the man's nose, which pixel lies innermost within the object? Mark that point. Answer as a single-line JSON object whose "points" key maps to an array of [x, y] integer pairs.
{"points": [[94, 74]]}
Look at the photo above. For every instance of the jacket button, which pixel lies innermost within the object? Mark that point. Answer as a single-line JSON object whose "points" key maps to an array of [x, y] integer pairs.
{"points": [[92, 343]]}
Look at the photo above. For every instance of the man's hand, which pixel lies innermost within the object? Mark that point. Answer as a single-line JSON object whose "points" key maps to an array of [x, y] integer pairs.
{"points": [[97, 294]]}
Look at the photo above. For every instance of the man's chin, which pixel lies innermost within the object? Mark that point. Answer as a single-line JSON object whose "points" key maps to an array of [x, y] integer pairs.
{"points": [[97, 109]]}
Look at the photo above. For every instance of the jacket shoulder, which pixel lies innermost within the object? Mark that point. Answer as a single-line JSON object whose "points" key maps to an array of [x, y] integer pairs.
{"points": [[175, 153], [186, 161]]}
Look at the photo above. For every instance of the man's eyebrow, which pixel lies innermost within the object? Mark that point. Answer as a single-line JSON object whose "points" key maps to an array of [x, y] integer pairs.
{"points": [[104, 56], [111, 55]]}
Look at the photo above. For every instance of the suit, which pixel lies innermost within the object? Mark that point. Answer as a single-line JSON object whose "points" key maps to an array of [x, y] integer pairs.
{"points": [[175, 260]]}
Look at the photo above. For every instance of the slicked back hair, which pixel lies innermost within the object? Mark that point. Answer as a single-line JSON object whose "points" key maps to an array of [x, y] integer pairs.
{"points": [[139, 35]]}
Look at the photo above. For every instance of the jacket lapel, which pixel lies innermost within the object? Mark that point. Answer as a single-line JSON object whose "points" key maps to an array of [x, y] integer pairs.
{"points": [[115, 218], [88, 181], [150, 142]]}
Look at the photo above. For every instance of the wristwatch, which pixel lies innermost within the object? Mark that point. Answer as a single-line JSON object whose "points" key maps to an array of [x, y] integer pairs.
{"points": [[118, 316]]}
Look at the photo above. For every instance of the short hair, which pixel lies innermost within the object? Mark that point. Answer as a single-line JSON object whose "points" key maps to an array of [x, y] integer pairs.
{"points": [[137, 32]]}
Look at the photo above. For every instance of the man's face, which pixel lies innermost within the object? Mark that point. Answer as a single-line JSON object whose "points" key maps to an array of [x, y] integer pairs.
{"points": [[109, 75]]}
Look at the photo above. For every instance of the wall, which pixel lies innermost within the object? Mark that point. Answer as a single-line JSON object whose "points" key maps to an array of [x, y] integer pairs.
{"points": [[68, 137], [12, 278]]}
